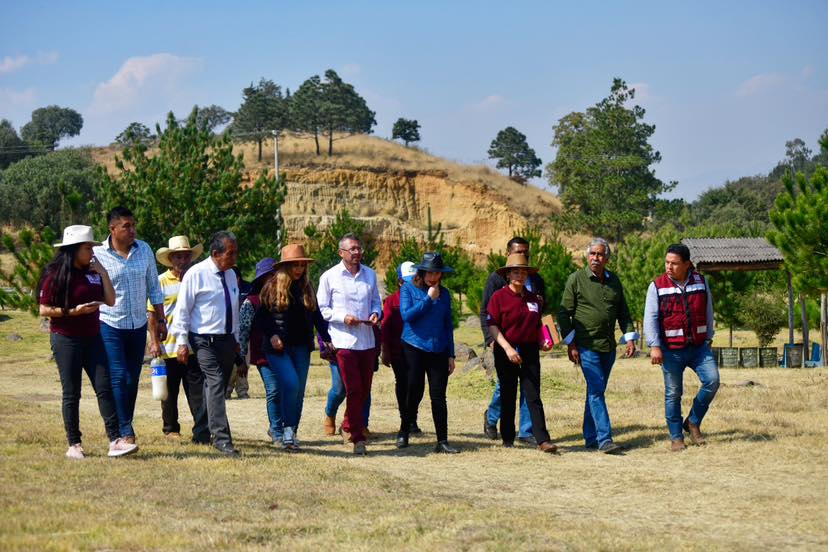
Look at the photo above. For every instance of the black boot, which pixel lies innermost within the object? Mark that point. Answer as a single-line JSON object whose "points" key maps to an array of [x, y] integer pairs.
{"points": [[444, 448], [402, 440]]}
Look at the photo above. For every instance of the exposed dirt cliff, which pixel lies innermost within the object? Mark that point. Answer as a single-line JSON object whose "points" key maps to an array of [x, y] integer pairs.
{"points": [[394, 206]]}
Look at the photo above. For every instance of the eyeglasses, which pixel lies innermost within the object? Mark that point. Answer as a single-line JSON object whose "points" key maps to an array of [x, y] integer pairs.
{"points": [[353, 250]]}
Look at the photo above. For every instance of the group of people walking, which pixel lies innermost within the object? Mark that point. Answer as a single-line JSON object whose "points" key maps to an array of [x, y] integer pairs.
{"points": [[103, 299]]}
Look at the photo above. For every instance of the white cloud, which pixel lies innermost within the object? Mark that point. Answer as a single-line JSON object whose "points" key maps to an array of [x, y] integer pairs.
{"points": [[140, 78], [489, 103], [11, 64], [11, 97], [759, 83], [351, 69]]}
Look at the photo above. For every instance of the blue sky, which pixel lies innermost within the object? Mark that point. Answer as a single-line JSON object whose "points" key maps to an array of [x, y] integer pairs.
{"points": [[725, 83]]}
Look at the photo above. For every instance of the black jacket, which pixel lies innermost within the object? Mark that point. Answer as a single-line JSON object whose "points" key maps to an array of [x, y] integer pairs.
{"points": [[294, 326]]}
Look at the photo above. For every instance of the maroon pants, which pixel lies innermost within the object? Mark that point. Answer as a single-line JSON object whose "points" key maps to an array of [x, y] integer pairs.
{"points": [[357, 371]]}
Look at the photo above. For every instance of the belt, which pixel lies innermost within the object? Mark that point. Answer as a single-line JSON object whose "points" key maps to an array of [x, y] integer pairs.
{"points": [[213, 337]]}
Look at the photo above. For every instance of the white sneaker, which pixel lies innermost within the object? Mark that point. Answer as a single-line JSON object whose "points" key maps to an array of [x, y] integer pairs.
{"points": [[288, 437], [119, 447], [75, 452]]}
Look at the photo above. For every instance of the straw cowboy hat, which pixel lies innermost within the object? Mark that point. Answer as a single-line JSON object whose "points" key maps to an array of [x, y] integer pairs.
{"points": [[293, 253], [177, 244], [516, 260], [77, 233]]}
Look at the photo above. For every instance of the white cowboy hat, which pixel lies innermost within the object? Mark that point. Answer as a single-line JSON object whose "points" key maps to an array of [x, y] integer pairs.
{"points": [[175, 245], [77, 233]]}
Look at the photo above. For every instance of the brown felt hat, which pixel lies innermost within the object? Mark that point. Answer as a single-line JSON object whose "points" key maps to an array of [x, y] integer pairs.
{"points": [[293, 253], [516, 260]]}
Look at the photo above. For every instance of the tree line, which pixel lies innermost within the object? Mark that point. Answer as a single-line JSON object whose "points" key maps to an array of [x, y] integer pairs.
{"points": [[603, 170]]}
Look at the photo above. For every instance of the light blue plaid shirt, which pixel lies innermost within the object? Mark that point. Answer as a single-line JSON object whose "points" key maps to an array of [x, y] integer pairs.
{"points": [[135, 280]]}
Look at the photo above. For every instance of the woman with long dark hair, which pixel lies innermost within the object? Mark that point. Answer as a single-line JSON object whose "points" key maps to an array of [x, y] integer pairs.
{"points": [[286, 319], [251, 341], [71, 290], [428, 346]]}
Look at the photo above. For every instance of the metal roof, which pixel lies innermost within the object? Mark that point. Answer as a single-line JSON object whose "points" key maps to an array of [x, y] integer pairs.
{"points": [[736, 251]]}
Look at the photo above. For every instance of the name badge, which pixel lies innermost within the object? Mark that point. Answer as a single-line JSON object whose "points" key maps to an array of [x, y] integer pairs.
{"points": [[533, 307], [94, 279]]}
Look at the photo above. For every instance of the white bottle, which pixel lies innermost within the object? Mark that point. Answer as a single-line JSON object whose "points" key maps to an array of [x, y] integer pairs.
{"points": [[159, 379]]}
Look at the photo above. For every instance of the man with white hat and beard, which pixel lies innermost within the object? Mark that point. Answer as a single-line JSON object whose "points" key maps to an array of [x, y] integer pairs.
{"points": [[178, 257]]}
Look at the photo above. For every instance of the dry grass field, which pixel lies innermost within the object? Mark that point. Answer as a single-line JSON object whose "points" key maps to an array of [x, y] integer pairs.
{"points": [[761, 483]]}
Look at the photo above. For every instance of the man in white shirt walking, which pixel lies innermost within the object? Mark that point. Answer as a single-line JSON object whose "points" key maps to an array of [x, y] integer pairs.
{"points": [[349, 300], [207, 316]]}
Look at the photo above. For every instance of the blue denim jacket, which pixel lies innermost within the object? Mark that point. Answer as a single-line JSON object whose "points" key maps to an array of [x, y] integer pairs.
{"points": [[427, 324]]}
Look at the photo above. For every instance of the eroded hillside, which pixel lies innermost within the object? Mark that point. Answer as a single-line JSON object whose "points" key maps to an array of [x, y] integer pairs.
{"points": [[390, 188]]}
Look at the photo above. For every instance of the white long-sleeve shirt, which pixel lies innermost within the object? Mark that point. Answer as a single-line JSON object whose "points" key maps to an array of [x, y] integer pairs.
{"points": [[341, 293], [201, 308]]}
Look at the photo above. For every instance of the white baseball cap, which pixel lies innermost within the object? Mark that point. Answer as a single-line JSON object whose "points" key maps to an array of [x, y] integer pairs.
{"points": [[77, 233], [406, 271]]}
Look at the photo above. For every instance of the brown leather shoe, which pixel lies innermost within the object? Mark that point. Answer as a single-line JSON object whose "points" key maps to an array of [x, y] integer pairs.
{"points": [[130, 440], [548, 446], [329, 425], [695, 433], [677, 445], [173, 436]]}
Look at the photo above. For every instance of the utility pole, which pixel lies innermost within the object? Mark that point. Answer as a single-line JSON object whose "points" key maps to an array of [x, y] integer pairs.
{"points": [[276, 151]]}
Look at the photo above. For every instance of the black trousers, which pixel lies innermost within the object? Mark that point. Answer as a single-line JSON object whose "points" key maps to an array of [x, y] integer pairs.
{"points": [[215, 356], [401, 390], [420, 363], [74, 355], [189, 377], [528, 373]]}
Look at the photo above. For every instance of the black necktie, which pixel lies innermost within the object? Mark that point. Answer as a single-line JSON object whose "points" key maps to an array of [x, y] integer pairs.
{"points": [[228, 310]]}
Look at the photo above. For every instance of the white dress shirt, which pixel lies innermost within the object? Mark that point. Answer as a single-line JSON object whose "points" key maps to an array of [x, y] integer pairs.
{"points": [[200, 308], [341, 293]]}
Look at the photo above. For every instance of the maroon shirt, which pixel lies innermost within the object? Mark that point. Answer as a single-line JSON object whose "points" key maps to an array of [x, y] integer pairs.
{"points": [[392, 326], [517, 316], [84, 286]]}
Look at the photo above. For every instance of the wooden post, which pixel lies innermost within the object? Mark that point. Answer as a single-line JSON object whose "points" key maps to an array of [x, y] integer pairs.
{"points": [[823, 324], [806, 345], [790, 310]]}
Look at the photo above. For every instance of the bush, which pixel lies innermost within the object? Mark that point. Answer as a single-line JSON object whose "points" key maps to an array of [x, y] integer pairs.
{"points": [[49, 190], [763, 314]]}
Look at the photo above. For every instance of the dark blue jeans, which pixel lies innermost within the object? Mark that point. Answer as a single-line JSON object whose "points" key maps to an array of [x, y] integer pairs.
{"points": [[336, 395], [596, 368], [273, 401], [125, 351]]}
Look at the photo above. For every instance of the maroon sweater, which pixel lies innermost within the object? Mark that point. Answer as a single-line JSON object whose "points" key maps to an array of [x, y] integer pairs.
{"points": [[84, 286], [517, 316]]}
